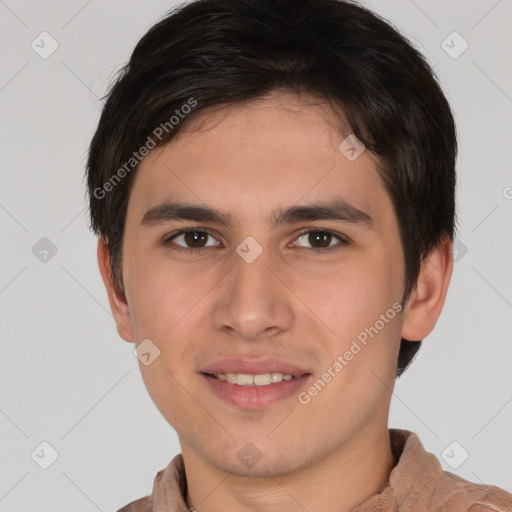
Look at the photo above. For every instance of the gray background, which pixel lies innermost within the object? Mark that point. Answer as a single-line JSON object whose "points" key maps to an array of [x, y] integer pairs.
{"points": [[68, 379]]}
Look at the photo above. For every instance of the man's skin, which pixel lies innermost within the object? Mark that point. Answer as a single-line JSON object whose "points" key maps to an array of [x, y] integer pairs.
{"points": [[292, 303]]}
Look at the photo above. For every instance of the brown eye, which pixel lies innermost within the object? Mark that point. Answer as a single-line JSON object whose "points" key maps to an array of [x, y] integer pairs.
{"points": [[196, 238], [321, 240], [192, 239]]}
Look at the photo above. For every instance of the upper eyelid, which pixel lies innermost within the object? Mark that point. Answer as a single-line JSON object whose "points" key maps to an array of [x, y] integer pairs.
{"points": [[170, 237], [320, 230], [342, 239]]}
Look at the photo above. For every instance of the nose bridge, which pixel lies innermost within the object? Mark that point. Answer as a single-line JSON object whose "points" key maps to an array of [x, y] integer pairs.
{"points": [[251, 270], [254, 301]]}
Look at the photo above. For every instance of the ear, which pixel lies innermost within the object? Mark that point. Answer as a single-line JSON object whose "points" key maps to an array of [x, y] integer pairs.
{"points": [[116, 298], [427, 298]]}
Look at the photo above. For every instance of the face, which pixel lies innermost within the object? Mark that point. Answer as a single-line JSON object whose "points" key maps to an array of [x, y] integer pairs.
{"points": [[268, 283]]}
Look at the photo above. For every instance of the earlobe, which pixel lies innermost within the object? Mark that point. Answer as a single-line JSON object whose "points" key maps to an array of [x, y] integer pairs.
{"points": [[116, 298], [427, 299]]}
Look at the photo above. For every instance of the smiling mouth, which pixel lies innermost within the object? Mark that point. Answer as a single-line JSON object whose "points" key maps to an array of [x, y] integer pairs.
{"points": [[255, 391], [251, 380]]}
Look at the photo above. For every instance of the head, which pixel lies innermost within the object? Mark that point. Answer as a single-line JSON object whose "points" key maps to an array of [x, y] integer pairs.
{"points": [[249, 110]]}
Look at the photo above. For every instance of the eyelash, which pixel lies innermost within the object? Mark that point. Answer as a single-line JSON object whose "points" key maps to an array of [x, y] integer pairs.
{"points": [[343, 240]]}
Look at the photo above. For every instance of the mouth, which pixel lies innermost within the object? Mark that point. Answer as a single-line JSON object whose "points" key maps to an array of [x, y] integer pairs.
{"points": [[252, 384], [255, 367], [247, 379]]}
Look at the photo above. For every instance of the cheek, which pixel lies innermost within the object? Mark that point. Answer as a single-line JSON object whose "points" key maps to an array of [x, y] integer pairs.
{"points": [[161, 294], [167, 307], [360, 305], [351, 296], [170, 392]]}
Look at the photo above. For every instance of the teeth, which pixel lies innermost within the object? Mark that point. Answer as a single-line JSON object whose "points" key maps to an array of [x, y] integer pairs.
{"points": [[244, 379], [262, 380]]}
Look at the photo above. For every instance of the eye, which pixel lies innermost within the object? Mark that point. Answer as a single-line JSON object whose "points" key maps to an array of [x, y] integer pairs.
{"points": [[190, 239], [195, 239], [320, 240]]}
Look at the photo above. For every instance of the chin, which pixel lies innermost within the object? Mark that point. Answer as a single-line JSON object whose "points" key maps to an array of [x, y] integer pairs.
{"points": [[250, 463]]}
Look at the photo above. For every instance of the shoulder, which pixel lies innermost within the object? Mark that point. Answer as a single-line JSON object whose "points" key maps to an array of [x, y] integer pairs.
{"points": [[169, 489], [140, 505], [463, 495], [418, 483]]}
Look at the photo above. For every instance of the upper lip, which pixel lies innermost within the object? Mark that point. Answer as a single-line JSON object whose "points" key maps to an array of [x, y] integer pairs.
{"points": [[253, 367]]}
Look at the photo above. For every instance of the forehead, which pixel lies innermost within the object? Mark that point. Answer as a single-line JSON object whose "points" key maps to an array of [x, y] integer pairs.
{"points": [[260, 155]]}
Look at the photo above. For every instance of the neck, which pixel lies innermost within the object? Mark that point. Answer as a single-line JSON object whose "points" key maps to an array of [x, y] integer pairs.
{"points": [[339, 482]]}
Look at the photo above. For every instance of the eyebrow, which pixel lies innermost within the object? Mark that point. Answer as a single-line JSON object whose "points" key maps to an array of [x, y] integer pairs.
{"points": [[336, 209]]}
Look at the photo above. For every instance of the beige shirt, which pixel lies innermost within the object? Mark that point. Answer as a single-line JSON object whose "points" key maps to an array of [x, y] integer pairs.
{"points": [[416, 484]]}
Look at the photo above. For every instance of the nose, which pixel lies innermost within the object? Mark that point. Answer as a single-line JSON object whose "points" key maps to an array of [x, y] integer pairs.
{"points": [[254, 302]]}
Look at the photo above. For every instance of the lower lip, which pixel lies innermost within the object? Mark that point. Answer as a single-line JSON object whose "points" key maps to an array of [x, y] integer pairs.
{"points": [[255, 397]]}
